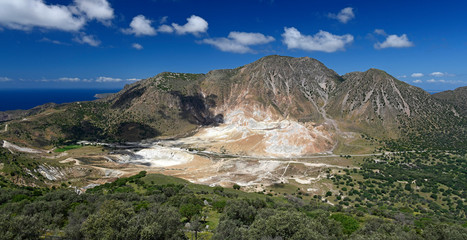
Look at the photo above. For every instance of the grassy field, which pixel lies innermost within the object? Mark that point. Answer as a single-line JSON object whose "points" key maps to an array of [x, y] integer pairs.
{"points": [[66, 148]]}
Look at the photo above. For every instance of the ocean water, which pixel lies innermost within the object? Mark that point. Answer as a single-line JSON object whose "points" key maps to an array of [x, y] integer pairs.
{"points": [[12, 99]]}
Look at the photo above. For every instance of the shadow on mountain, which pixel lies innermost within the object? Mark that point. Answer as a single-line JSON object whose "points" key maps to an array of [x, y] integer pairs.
{"points": [[132, 131], [196, 109], [128, 96]]}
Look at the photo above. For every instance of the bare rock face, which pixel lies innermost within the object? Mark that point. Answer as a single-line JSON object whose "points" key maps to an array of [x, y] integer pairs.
{"points": [[294, 87], [272, 107]]}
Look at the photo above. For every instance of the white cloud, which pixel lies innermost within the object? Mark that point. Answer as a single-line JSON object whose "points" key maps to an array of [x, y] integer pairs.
{"points": [[195, 25], [239, 42], [26, 14], [437, 74], [52, 41], [165, 29], [322, 41], [68, 79], [133, 79], [96, 9], [227, 45], [394, 41], [163, 19], [140, 26], [108, 79], [88, 39], [5, 79], [344, 15], [403, 76], [380, 32], [446, 81], [137, 46], [417, 75], [250, 38], [417, 81]]}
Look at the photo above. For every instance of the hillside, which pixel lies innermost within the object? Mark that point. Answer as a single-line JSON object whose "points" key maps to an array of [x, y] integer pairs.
{"points": [[457, 97], [296, 103]]}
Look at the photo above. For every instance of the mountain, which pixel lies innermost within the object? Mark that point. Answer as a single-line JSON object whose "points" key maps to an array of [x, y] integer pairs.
{"points": [[16, 114], [374, 100], [457, 97], [276, 106]]}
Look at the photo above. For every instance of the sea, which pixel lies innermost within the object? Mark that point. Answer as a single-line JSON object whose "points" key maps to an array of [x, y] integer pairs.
{"points": [[13, 99]]}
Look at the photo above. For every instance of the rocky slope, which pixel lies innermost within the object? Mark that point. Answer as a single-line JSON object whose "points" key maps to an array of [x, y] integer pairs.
{"points": [[378, 104], [457, 97]]}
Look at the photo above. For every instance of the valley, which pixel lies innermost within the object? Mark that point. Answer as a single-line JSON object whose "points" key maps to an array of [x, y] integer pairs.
{"points": [[288, 130]]}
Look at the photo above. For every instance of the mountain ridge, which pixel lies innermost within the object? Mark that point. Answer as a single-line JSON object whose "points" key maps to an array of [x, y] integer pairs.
{"points": [[272, 91]]}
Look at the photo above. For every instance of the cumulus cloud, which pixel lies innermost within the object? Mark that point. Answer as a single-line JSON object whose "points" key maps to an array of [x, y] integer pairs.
{"points": [[108, 79], [394, 41], [402, 76], [431, 80], [26, 14], [88, 39], [5, 79], [195, 25], [96, 9], [344, 15], [140, 26], [417, 75], [137, 46], [227, 45], [165, 29], [250, 38], [239, 42], [437, 74], [133, 79], [69, 79], [322, 41], [417, 81]]}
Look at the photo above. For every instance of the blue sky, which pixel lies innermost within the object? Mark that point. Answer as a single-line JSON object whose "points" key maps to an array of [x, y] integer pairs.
{"points": [[110, 43]]}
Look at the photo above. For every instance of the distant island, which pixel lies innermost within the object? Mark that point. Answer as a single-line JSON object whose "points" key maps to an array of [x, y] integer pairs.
{"points": [[102, 95]]}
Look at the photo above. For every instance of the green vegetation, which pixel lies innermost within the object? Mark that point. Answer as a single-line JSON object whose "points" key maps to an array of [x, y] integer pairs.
{"points": [[66, 148], [160, 207], [417, 183]]}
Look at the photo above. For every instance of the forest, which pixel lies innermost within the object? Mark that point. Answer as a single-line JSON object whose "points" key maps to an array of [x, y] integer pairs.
{"points": [[153, 206]]}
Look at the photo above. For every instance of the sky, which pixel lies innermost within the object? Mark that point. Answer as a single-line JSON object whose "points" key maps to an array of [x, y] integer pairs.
{"points": [[110, 43]]}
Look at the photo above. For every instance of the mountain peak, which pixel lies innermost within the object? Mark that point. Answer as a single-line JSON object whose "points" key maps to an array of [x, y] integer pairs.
{"points": [[275, 59]]}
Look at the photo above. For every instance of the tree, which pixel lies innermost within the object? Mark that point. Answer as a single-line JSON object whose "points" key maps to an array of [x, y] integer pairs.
{"points": [[196, 226], [236, 187], [277, 224], [239, 210], [110, 222], [349, 223], [230, 229], [189, 210], [158, 222]]}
